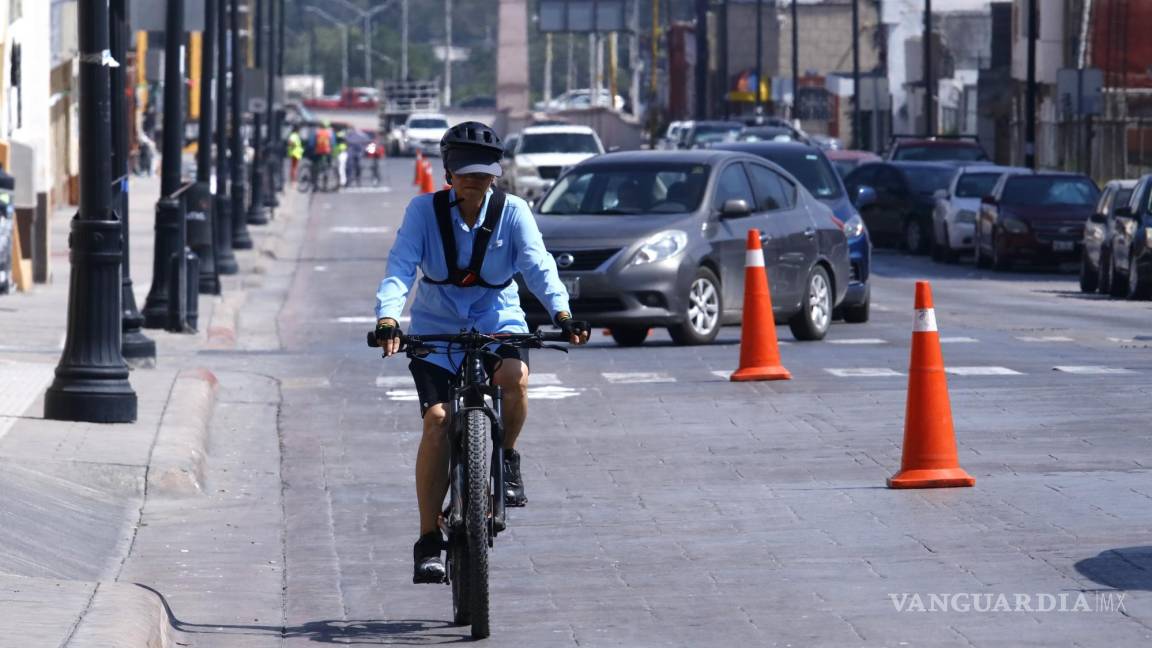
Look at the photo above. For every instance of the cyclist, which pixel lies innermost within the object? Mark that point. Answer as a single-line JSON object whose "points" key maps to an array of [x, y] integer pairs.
{"points": [[481, 296], [322, 143]]}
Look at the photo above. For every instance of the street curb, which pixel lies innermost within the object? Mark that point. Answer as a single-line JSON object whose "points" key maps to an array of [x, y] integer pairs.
{"points": [[177, 465], [121, 615], [225, 320]]}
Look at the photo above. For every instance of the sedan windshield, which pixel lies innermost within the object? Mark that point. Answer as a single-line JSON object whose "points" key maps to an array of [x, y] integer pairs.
{"points": [[940, 153], [559, 143], [811, 169], [635, 189], [976, 185], [1049, 191], [428, 123]]}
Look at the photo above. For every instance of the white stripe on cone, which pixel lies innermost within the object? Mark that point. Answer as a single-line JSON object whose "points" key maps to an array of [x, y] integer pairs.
{"points": [[925, 321], [754, 258]]}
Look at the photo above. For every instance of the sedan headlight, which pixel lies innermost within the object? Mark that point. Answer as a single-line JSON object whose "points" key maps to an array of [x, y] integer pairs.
{"points": [[966, 216], [1014, 226], [854, 226], [1093, 231], [661, 246]]}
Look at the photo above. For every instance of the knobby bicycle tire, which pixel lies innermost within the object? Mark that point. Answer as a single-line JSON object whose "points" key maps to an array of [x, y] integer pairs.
{"points": [[477, 508], [458, 575]]}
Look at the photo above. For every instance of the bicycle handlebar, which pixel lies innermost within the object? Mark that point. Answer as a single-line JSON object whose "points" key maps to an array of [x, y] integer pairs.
{"points": [[481, 338]]}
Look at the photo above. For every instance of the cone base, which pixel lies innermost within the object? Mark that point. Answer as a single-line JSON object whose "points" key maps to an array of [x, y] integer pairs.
{"points": [[760, 373], [932, 478]]}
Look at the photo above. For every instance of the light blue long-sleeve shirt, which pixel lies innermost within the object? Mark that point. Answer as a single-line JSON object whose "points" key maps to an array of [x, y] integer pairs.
{"points": [[515, 246]]}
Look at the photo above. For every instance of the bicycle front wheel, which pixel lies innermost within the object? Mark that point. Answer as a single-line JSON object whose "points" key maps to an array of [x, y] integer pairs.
{"points": [[477, 511]]}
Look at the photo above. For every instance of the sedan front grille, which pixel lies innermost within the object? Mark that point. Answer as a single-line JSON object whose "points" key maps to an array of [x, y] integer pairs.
{"points": [[549, 172], [583, 305], [1058, 231], [577, 260]]}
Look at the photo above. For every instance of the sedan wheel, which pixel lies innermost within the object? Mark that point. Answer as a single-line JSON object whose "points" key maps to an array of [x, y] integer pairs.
{"points": [[811, 323], [1089, 276], [914, 239], [702, 314], [1137, 289], [629, 336]]}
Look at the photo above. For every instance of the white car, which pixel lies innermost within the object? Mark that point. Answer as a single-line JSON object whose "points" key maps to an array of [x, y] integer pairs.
{"points": [[542, 153], [954, 216], [671, 139], [422, 132]]}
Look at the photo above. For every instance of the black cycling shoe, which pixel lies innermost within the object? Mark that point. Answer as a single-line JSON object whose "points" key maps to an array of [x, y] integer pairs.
{"points": [[513, 482], [428, 568]]}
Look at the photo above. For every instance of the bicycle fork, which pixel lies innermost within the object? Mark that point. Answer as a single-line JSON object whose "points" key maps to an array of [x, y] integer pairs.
{"points": [[471, 398]]}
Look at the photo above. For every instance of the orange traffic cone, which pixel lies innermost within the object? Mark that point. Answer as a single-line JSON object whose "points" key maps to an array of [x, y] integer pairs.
{"points": [[759, 351], [930, 459], [427, 184], [419, 177]]}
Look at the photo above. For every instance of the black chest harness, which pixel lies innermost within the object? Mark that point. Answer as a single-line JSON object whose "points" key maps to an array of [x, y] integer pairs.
{"points": [[470, 276]]}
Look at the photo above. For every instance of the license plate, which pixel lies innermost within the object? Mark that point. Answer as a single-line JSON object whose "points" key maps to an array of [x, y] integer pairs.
{"points": [[572, 285], [1063, 246]]}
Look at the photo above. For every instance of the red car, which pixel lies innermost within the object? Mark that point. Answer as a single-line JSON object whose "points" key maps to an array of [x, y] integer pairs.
{"points": [[1038, 218], [845, 160], [936, 149]]}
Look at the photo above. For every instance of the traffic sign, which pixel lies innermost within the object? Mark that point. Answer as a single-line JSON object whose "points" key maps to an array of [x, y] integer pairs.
{"points": [[1078, 91]]}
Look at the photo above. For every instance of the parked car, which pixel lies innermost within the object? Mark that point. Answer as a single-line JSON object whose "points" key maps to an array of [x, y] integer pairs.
{"points": [[895, 200], [1096, 268], [962, 148], [845, 160], [1038, 218], [657, 238], [810, 166], [769, 134], [1130, 268], [671, 139], [541, 153], [954, 215], [701, 134], [422, 132], [578, 99]]}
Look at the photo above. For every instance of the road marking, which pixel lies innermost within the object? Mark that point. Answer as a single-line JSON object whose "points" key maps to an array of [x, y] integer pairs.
{"points": [[405, 395], [859, 341], [543, 379], [640, 377], [366, 190], [21, 383], [958, 340], [552, 392], [982, 371], [364, 319], [865, 372], [393, 381], [346, 229], [726, 375], [320, 268], [1092, 370], [1044, 338]]}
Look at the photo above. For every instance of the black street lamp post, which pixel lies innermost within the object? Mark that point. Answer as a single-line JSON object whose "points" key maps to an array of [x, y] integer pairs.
{"points": [[201, 218], [92, 378], [137, 348], [257, 210], [241, 239], [271, 133], [221, 206], [171, 232]]}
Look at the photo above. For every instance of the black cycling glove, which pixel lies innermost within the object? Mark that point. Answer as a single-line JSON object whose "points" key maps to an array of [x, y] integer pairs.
{"points": [[571, 326], [386, 331]]}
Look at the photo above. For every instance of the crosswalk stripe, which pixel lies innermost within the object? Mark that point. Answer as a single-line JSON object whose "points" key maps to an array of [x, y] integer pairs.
{"points": [[393, 381], [957, 340], [1092, 370], [982, 371], [543, 379], [1044, 338], [637, 377], [865, 372], [858, 341], [722, 374], [348, 229]]}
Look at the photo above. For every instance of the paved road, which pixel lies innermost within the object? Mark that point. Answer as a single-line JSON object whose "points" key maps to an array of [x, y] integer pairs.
{"points": [[670, 507]]}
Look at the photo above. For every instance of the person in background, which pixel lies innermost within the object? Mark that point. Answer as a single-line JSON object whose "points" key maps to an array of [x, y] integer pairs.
{"points": [[295, 151]]}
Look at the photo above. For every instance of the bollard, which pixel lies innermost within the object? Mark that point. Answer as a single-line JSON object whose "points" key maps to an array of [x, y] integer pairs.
{"points": [[201, 236]]}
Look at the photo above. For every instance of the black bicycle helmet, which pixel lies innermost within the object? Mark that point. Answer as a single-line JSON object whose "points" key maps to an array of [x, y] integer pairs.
{"points": [[472, 135]]}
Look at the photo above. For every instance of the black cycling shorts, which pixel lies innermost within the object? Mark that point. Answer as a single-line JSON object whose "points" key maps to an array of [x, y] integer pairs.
{"points": [[434, 383]]}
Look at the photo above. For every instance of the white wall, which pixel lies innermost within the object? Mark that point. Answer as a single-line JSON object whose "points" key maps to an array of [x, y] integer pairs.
{"points": [[1049, 45], [32, 31]]}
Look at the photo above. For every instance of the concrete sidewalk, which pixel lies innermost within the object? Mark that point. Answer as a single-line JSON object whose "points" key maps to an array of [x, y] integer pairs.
{"points": [[71, 494]]}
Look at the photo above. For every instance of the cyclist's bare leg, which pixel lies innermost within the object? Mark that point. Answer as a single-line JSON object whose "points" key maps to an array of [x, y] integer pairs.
{"points": [[432, 467], [512, 377]]}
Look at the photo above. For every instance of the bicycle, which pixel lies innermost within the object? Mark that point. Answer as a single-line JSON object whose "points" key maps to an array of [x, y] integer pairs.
{"points": [[317, 175], [475, 513]]}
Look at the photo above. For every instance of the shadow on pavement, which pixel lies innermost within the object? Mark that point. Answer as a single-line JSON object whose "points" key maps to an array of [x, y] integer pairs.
{"points": [[1126, 569]]}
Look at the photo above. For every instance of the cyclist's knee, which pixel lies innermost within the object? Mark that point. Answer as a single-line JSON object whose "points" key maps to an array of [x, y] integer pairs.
{"points": [[512, 377], [436, 422]]}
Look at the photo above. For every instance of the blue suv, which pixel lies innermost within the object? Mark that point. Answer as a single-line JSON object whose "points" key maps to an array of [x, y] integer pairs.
{"points": [[809, 165]]}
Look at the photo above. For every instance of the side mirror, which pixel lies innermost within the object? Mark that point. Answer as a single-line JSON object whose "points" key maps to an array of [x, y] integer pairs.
{"points": [[865, 196], [989, 200], [1123, 212], [735, 208], [1097, 218], [613, 149]]}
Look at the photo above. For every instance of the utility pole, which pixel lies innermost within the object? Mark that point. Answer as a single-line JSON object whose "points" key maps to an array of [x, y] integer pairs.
{"points": [[91, 378], [171, 228], [241, 239], [634, 57], [929, 80], [1030, 91], [654, 73], [271, 137], [857, 125], [221, 207], [759, 107], [257, 212], [702, 65], [795, 59], [403, 40], [137, 348], [200, 216], [547, 67], [570, 72], [447, 52]]}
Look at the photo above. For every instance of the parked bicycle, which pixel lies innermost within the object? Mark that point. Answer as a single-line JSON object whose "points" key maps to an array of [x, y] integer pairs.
{"points": [[317, 175], [475, 513]]}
